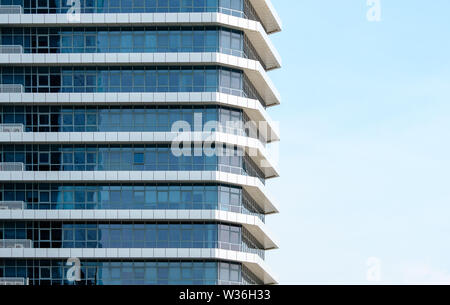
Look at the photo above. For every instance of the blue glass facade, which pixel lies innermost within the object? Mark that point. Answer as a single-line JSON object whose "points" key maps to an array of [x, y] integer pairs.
{"points": [[47, 221]]}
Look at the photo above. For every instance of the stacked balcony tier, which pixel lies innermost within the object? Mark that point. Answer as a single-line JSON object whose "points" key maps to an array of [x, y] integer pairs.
{"points": [[91, 105]]}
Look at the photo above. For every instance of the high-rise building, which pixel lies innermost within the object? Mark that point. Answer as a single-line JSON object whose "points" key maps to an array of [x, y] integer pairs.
{"points": [[95, 96]]}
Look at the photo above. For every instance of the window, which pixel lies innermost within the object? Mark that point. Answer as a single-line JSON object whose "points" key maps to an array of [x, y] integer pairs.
{"points": [[44, 158], [138, 158], [42, 41], [44, 119], [43, 80]]}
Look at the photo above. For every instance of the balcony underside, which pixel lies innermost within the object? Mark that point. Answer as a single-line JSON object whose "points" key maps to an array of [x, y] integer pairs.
{"points": [[268, 15]]}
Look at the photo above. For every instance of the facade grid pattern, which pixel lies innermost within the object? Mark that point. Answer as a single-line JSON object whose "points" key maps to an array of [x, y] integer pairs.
{"points": [[189, 232]]}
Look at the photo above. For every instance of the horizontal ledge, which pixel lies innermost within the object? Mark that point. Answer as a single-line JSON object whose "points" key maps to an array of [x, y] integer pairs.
{"points": [[250, 260], [252, 185], [252, 223]]}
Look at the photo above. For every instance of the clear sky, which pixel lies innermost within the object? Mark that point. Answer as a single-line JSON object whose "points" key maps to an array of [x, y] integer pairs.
{"points": [[365, 150]]}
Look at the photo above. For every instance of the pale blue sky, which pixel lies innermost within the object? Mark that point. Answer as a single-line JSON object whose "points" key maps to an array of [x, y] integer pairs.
{"points": [[365, 151]]}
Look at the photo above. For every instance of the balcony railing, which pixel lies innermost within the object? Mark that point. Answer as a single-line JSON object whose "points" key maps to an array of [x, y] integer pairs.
{"points": [[11, 88], [14, 281], [12, 166], [260, 252], [12, 205], [11, 9], [242, 210], [11, 49], [16, 243], [12, 128], [243, 247]]}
